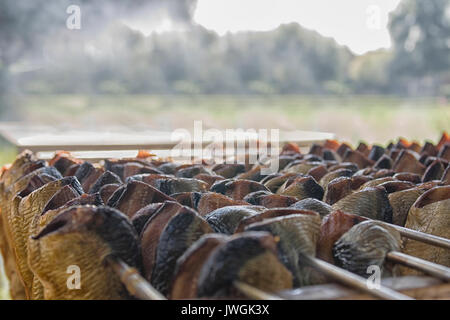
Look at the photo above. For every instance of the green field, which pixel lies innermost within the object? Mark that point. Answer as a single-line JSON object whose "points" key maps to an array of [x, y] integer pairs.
{"points": [[352, 118]]}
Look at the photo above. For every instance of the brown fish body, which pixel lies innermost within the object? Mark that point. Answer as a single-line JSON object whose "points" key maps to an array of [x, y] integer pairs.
{"points": [[333, 226], [298, 235], [302, 188], [364, 245], [178, 235], [189, 265], [401, 202], [372, 203], [430, 214], [250, 257], [23, 212], [81, 238]]}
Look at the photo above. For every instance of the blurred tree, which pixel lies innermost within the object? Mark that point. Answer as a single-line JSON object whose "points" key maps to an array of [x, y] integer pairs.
{"points": [[420, 31], [26, 27]]}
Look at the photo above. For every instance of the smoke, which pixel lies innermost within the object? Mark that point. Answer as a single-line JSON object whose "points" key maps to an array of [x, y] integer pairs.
{"points": [[34, 34]]}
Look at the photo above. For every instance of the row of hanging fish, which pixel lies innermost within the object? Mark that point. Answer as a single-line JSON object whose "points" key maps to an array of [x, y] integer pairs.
{"points": [[192, 230]]}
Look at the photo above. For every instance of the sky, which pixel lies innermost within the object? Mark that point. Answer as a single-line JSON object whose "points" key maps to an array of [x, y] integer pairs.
{"points": [[361, 25]]}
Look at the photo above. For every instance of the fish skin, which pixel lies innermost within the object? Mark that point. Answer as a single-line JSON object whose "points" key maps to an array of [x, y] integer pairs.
{"points": [[226, 220], [17, 290], [22, 212], [370, 202], [250, 257], [187, 270], [151, 232], [298, 235], [364, 245], [134, 196], [228, 170], [332, 227], [326, 179], [302, 188], [269, 214], [401, 202], [178, 235], [92, 234], [337, 189], [430, 214], [314, 205], [237, 189]]}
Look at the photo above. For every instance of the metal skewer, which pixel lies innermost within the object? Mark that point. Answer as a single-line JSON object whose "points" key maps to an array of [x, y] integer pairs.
{"points": [[421, 236], [355, 281], [133, 281], [425, 266]]}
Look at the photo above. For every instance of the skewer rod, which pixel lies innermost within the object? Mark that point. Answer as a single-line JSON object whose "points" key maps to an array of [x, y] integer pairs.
{"points": [[255, 293], [356, 281], [425, 266], [421, 236], [134, 282]]}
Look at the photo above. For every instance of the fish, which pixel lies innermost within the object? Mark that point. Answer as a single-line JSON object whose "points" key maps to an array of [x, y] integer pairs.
{"points": [[357, 158], [407, 160], [332, 227], [302, 167], [188, 267], [152, 230], [274, 183], [22, 213], [407, 176], [171, 186], [367, 244], [207, 202], [384, 162], [434, 171], [375, 182], [371, 202], [226, 220], [107, 191], [444, 152], [312, 204], [302, 188], [178, 235], [337, 189], [228, 170], [249, 257], [298, 235], [191, 171], [107, 177], [268, 214], [269, 200], [63, 160], [326, 179], [318, 172], [144, 214], [87, 175], [376, 152], [135, 195], [401, 201], [81, 238], [237, 189], [208, 179], [429, 214]]}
